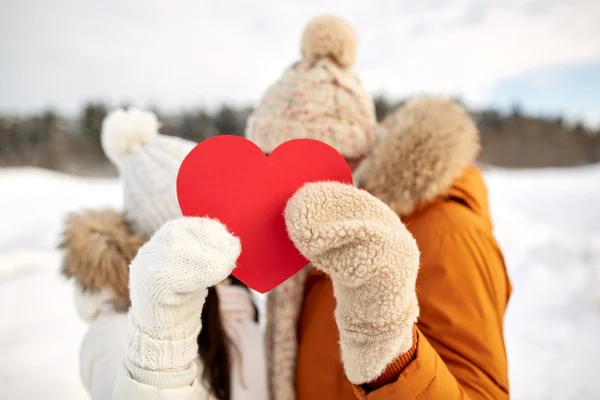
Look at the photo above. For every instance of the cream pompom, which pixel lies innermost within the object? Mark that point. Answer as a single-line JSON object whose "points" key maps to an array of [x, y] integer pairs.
{"points": [[124, 129], [330, 36]]}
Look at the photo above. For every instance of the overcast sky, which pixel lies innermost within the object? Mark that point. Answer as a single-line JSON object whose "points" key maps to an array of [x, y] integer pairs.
{"points": [[182, 53]]}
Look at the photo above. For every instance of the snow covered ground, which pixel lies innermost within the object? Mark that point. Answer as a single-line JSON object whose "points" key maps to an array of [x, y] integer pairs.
{"points": [[39, 332], [548, 225], [547, 222]]}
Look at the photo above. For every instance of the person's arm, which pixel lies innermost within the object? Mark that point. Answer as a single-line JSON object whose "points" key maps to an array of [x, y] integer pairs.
{"points": [[168, 280], [372, 261], [352, 236], [101, 352], [463, 293]]}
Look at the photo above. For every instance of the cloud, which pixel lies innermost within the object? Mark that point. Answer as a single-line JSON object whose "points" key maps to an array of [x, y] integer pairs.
{"points": [[183, 53], [468, 59]]}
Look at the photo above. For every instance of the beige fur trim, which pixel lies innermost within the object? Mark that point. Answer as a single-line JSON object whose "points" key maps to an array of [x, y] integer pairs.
{"points": [[98, 249], [330, 36], [429, 142]]}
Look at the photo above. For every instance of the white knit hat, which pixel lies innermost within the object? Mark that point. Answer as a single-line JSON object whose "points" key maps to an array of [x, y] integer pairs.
{"points": [[148, 164]]}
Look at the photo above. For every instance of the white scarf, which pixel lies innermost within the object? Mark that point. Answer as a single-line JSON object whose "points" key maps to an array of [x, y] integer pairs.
{"points": [[246, 344]]}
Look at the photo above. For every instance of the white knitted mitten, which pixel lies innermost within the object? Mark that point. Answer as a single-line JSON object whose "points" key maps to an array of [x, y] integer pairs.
{"points": [[372, 261], [169, 278]]}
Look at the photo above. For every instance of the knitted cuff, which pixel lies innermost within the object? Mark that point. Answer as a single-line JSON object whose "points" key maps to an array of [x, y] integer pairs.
{"points": [[161, 362], [162, 379]]}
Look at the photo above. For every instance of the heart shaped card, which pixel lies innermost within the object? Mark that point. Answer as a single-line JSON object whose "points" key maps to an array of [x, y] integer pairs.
{"points": [[230, 179]]}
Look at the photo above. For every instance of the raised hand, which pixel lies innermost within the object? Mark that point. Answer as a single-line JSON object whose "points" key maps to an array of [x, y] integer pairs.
{"points": [[372, 260]]}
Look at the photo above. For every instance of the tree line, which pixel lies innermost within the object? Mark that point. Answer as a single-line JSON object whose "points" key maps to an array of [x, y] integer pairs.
{"points": [[49, 140]]}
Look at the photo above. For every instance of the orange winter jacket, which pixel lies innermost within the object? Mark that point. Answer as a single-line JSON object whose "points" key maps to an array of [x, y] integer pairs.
{"points": [[463, 290]]}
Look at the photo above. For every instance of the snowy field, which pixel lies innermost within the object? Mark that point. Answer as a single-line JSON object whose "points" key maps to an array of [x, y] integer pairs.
{"points": [[547, 222]]}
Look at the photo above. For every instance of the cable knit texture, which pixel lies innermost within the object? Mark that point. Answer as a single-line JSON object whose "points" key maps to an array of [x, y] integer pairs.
{"points": [[318, 97], [284, 305], [102, 350], [148, 163], [372, 261], [169, 278]]}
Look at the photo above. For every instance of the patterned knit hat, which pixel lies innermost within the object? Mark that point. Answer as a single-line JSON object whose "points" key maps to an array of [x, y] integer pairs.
{"points": [[148, 164], [318, 97]]}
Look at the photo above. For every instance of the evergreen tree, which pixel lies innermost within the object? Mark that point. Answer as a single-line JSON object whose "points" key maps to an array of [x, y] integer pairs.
{"points": [[90, 123]]}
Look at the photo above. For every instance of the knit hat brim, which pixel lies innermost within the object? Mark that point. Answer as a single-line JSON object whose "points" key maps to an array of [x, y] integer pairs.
{"points": [[352, 141]]}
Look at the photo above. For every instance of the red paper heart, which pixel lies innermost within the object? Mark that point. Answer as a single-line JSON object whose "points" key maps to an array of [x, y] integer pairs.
{"points": [[230, 179]]}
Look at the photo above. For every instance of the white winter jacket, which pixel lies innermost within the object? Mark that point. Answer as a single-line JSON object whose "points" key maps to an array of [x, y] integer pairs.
{"points": [[106, 376]]}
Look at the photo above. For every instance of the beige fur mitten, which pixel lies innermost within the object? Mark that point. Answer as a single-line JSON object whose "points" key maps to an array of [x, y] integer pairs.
{"points": [[168, 280], [372, 260]]}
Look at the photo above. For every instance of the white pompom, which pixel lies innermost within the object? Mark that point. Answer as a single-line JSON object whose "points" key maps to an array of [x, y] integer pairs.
{"points": [[124, 129]]}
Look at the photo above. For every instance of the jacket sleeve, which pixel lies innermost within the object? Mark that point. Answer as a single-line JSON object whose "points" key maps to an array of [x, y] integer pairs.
{"points": [[463, 291], [101, 353], [104, 373], [127, 388]]}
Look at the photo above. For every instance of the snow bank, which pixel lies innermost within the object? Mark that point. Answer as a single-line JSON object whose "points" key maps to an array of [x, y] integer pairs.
{"points": [[548, 225], [546, 222], [33, 203], [39, 331]]}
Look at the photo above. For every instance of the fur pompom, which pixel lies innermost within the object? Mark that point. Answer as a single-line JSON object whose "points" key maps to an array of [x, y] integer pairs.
{"points": [[124, 129], [330, 36], [99, 246], [430, 141]]}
